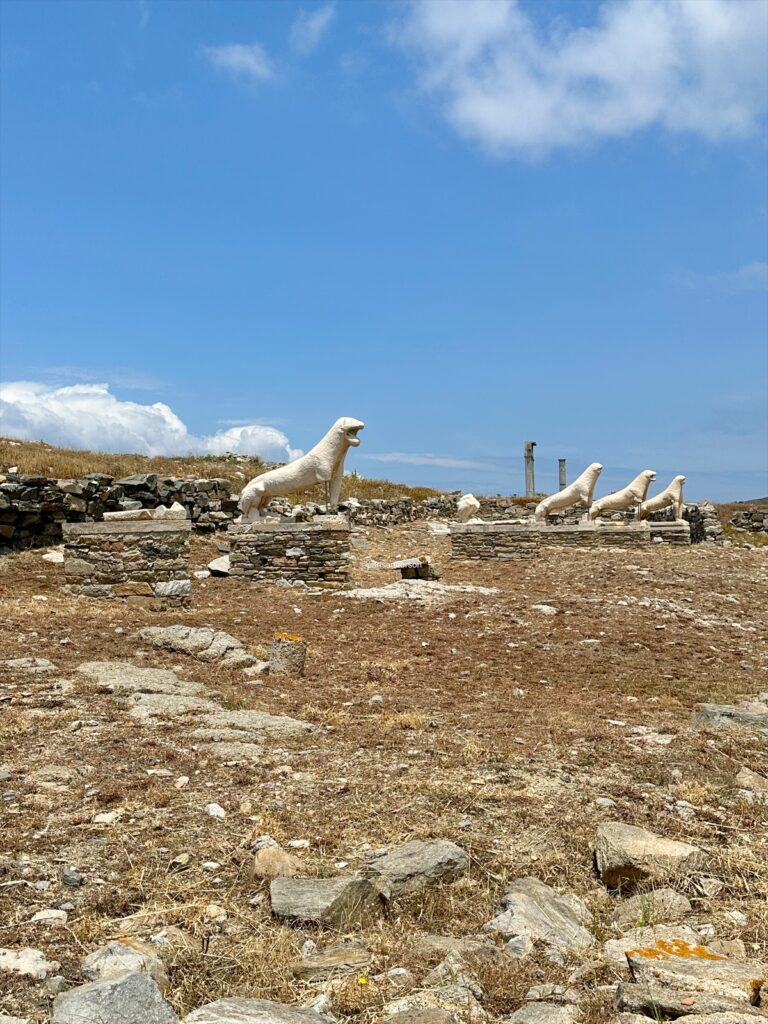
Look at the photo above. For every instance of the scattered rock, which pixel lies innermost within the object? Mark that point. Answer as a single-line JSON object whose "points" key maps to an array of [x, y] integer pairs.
{"points": [[754, 784], [215, 811], [273, 862], [419, 863], [342, 958], [338, 902], [50, 916], [430, 592], [72, 877], [56, 557], [749, 712], [659, 906], [423, 1015], [454, 999], [132, 998], [254, 1011], [28, 962], [626, 855], [219, 566], [544, 609], [533, 912], [543, 1013], [33, 665], [477, 947], [121, 956]]}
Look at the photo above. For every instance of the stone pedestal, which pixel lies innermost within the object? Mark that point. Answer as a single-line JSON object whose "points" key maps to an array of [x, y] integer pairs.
{"points": [[504, 540], [288, 655], [671, 533], [508, 541], [142, 562], [316, 552]]}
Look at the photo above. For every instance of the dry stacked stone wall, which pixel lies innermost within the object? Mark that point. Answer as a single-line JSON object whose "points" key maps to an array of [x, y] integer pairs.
{"points": [[34, 509], [506, 541], [315, 552], [754, 520], [142, 562]]}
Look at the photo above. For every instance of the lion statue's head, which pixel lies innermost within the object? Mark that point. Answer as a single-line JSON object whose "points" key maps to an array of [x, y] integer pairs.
{"points": [[348, 428]]}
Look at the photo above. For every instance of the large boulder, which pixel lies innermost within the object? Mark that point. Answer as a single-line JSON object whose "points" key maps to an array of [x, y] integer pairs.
{"points": [[626, 855], [132, 998], [420, 863], [532, 911], [254, 1011], [338, 902]]}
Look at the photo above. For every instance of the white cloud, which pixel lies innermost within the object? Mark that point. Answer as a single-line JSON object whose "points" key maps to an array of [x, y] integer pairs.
{"points": [[694, 66], [309, 27], [243, 60], [416, 459], [751, 277], [90, 416]]}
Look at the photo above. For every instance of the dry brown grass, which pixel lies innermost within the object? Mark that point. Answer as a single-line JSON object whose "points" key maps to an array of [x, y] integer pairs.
{"points": [[512, 779]]}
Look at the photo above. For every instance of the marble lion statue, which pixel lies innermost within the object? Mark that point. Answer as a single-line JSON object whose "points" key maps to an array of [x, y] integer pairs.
{"points": [[577, 493], [324, 464], [671, 495], [628, 497]]}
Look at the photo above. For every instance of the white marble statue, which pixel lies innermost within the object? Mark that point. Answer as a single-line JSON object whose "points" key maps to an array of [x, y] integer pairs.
{"points": [[577, 493], [630, 496], [467, 507], [324, 464], [671, 495]]}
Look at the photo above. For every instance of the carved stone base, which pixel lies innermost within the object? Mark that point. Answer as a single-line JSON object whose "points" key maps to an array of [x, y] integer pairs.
{"points": [[596, 535], [507, 541], [316, 552]]}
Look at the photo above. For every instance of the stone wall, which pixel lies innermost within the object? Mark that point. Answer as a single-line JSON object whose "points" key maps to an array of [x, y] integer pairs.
{"points": [[143, 562], [33, 509], [315, 552], [755, 520]]}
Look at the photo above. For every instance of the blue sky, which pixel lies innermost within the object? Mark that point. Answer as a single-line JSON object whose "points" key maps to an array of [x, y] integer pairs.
{"points": [[467, 224]]}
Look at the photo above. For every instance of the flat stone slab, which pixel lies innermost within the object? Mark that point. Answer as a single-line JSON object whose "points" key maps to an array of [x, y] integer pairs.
{"points": [[420, 863], [256, 725], [543, 1013], [127, 677], [32, 665], [698, 971], [339, 902], [626, 855], [149, 706], [254, 1011], [342, 958], [749, 712], [534, 912], [648, 1002], [132, 998], [121, 526], [428, 591], [124, 955]]}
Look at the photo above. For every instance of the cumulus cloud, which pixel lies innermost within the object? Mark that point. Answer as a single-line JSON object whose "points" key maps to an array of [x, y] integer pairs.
{"points": [[90, 416], [309, 27], [500, 79], [242, 60]]}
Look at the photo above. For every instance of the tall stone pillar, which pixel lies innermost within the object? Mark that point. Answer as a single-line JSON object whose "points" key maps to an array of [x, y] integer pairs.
{"points": [[561, 471], [530, 483]]}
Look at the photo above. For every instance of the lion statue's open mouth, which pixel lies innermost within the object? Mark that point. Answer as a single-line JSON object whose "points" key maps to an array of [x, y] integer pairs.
{"points": [[351, 435]]}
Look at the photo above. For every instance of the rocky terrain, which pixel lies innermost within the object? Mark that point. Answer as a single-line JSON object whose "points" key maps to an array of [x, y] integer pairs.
{"points": [[534, 792]]}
